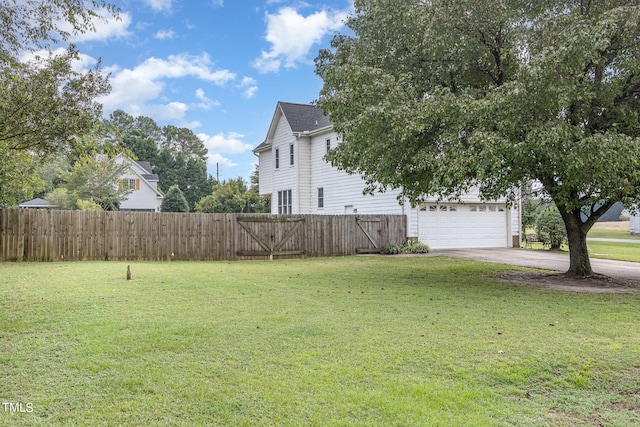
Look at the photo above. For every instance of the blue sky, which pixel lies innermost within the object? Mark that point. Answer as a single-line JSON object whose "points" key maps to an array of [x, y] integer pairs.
{"points": [[217, 67]]}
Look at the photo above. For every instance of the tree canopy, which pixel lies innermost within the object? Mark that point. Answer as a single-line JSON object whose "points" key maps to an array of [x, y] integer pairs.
{"points": [[174, 201], [233, 196], [44, 104], [438, 98]]}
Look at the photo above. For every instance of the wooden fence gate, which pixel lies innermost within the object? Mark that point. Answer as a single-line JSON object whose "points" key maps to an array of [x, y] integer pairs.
{"points": [[276, 236], [372, 228]]}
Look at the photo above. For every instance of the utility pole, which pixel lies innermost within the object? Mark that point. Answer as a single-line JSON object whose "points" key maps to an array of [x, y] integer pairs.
{"points": [[218, 172]]}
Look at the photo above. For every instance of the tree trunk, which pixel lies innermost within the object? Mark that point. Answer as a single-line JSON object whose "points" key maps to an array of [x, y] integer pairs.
{"points": [[579, 263]]}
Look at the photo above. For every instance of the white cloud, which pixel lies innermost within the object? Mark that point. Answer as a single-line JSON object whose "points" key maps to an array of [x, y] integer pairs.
{"points": [[165, 35], [223, 162], [292, 36], [133, 89], [159, 5], [105, 29], [230, 143], [205, 102], [250, 87]]}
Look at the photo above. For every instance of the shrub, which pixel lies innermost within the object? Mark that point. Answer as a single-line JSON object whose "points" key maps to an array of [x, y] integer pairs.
{"points": [[416, 247], [391, 249], [174, 201], [550, 227], [88, 205]]}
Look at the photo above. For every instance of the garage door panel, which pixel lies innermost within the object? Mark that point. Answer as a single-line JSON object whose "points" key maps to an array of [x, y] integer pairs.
{"points": [[447, 226]]}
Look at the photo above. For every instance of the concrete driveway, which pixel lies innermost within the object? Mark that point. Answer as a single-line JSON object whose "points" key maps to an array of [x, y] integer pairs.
{"points": [[543, 260]]}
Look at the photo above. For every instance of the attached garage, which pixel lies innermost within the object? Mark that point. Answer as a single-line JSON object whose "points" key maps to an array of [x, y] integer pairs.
{"points": [[449, 226]]}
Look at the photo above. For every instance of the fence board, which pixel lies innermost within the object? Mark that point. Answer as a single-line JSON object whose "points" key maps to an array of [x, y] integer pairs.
{"points": [[49, 235]]}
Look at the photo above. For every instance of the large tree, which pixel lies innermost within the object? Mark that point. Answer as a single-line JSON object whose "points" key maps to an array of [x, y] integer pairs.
{"points": [[440, 97], [44, 104]]}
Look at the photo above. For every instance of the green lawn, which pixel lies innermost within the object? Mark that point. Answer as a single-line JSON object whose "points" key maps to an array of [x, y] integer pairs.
{"points": [[612, 230], [378, 341], [615, 250]]}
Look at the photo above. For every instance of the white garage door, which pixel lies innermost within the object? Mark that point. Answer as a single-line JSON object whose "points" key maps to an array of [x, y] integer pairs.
{"points": [[446, 226]]}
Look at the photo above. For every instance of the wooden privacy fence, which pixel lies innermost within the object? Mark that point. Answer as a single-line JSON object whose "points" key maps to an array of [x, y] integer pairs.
{"points": [[49, 235]]}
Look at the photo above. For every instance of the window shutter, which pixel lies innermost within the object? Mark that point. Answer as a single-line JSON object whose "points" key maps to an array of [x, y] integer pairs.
{"points": [[119, 183], [137, 184]]}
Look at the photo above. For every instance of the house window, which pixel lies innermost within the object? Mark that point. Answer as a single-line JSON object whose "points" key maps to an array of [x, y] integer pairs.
{"points": [[128, 184], [291, 154], [328, 145], [321, 197], [284, 202], [277, 158]]}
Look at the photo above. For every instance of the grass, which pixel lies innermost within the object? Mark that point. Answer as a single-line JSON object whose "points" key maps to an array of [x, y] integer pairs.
{"points": [[621, 251], [615, 250], [378, 341], [612, 230]]}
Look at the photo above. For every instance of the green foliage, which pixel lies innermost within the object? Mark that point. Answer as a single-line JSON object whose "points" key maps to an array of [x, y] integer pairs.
{"points": [[61, 198], [415, 247], [441, 97], [391, 249], [88, 205], [174, 201], [96, 178], [233, 196], [18, 180], [45, 105], [550, 228]]}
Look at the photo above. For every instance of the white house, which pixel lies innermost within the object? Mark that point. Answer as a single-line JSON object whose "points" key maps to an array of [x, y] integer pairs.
{"points": [[145, 196], [293, 171]]}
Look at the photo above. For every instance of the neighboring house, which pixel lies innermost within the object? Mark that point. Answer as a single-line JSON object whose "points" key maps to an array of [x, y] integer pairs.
{"points": [[145, 196], [37, 203], [634, 224], [293, 171]]}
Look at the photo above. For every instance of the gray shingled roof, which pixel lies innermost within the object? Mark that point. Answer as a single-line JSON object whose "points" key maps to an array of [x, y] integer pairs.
{"points": [[146, 166], [304, 117], [37, 203], [301, 118]]}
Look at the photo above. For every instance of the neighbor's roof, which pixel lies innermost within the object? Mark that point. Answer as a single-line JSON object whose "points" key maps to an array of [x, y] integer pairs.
{"points": [[146, 166], [36, 203]]}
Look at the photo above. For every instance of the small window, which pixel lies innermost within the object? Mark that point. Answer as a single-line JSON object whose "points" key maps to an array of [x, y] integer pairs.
{"points": [[433, 208], [453, 208], [492, 208], [443, 208], [284, 202], [500, 209], [291, 154], [473, 209], [321, 197], [482, 208], [277, 158], [129, 184], [423, 207], [328, 145]]}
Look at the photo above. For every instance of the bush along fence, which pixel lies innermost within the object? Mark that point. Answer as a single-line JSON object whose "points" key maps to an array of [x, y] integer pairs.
{"points": [[50, 235]]}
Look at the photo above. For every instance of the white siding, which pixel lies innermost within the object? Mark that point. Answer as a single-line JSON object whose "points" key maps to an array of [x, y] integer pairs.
{"points": [[265, 172], [284, 178], [304, 169]]}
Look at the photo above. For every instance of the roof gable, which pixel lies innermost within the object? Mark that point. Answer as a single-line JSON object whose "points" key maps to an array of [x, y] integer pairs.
{"points": [[304, 117], [301, 118]]}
